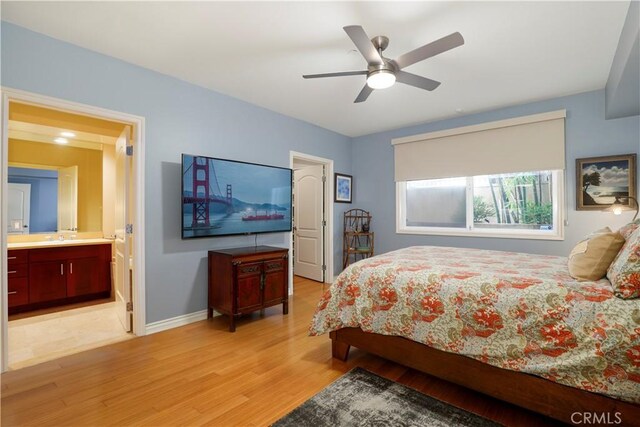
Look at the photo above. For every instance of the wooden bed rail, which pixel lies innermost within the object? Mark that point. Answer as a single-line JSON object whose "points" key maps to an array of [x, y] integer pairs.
{"points": [[528, 391]]}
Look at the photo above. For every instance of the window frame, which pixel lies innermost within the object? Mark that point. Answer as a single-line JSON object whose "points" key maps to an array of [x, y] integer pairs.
{"points": [[557, 233]]}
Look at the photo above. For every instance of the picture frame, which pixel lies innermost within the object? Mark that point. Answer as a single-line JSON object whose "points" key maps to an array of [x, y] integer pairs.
{"points": [[602, 180], [343, 188]]}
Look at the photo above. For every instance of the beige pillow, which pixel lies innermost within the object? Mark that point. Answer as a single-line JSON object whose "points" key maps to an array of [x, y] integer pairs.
{"points": [[590, 258]]}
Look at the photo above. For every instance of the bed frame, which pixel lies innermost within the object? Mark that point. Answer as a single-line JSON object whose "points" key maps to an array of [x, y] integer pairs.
{"points": [[528, 391]]}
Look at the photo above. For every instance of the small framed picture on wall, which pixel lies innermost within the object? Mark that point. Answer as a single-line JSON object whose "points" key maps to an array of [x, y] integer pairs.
{"points": [[602, 181], [343, 188]]}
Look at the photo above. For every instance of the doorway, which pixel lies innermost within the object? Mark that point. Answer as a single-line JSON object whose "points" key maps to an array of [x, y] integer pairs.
{"points": [[94, 228], [312, 242], [19, 207]]}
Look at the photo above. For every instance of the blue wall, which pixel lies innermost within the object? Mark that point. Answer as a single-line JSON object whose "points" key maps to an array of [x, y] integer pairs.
{"points": [[588, 134], [180, 118], [43, 215]]}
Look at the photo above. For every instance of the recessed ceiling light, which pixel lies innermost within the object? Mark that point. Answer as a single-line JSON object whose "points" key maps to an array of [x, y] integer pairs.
{"points": [[68, 134], [61, 141], [459, 110]]}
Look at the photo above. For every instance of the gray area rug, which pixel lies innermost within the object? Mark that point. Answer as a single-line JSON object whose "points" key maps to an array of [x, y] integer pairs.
{"points": [[361, 398]]}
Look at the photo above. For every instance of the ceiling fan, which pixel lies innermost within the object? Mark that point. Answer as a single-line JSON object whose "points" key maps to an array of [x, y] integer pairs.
{"points": [[382, 72]]}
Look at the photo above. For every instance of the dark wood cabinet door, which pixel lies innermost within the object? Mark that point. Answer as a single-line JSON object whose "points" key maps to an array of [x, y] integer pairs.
{"points": [[84, 276], [18, 291], [274, 281], [249, 281], [47, 281]]}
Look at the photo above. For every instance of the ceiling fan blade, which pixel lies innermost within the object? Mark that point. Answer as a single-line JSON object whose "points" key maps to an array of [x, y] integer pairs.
{"points": [[432, 49], [363, 43], [340, 74], [417, 81], [364, 94]]}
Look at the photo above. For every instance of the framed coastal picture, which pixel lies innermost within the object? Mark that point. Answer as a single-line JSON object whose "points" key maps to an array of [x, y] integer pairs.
{"points": [[602, 180], [343, 188]]}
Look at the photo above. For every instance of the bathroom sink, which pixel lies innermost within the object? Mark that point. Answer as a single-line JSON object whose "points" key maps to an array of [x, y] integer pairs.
{"points": [[71, 241], [57, 242]]}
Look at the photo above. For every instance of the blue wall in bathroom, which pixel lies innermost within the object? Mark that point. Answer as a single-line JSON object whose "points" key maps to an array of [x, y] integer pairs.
{"points": [[44, 197], [180, 118]]}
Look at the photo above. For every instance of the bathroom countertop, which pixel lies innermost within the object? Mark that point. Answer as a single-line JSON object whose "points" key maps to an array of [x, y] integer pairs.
{"points": [[57, 243]]}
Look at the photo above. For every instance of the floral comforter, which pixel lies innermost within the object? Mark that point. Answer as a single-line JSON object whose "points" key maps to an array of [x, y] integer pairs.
{"points": [[516, 311]]}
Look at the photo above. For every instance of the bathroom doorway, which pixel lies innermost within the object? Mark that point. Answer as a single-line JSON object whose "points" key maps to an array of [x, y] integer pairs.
{"points": [[76, 280]]}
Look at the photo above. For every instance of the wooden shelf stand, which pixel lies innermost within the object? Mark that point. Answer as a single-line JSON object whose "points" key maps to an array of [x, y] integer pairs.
{"points": [[358, 239]]}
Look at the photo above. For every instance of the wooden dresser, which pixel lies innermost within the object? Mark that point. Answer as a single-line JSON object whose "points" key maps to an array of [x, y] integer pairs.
{"points": [[243, 280]]}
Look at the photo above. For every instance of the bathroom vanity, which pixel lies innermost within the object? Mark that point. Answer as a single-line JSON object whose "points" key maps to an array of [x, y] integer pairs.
{"points": [[45, 274]]}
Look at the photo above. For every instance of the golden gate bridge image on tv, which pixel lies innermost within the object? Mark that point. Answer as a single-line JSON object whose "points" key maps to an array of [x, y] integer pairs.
{"points": [[203, 194]]}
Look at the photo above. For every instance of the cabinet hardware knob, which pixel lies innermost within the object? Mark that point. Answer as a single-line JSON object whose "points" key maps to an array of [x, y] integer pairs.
{"points": [[12, 292], [12, 272], [12, 257], [62, 269], [70, 268]]}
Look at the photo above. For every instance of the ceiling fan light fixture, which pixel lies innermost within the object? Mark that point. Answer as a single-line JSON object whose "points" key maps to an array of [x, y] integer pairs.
{"points": [[381, 79]]}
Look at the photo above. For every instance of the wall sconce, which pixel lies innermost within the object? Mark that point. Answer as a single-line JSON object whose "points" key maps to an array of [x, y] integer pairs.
{"points": [[617, 207]]}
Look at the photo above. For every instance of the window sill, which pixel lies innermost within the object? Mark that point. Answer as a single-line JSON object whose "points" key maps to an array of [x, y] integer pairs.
{"points": [[476, 233]]}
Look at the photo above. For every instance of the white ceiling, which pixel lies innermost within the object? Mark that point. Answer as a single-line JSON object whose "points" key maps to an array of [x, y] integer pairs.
{"points": [[514, 52]]}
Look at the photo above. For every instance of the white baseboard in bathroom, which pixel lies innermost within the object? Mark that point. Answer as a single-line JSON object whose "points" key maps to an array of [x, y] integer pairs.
{"points": [[174, 322]]}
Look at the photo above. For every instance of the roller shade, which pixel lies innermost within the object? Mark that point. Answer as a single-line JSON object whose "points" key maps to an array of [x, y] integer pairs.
{"points": [[523, 144]]}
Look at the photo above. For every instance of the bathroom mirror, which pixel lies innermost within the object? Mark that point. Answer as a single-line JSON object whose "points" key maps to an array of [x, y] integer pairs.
{"points": [[43, 200], [33, 200], [54, 188]]}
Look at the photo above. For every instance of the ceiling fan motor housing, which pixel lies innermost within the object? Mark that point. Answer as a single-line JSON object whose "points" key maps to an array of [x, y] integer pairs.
{"points": [[387, 66]]}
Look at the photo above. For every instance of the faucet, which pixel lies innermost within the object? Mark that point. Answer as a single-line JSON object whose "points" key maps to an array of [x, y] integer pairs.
{"points": [[61, 237]]}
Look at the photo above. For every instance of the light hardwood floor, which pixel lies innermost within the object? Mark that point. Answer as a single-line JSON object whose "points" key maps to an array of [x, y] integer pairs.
{"points": [[201, 374]]}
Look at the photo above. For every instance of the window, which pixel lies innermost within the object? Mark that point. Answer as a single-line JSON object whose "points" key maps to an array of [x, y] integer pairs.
{"points": [[437, 203], [514, 205]]}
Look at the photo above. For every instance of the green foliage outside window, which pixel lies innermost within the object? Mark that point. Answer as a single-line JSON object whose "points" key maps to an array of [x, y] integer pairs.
{"points": [[482, 210]]}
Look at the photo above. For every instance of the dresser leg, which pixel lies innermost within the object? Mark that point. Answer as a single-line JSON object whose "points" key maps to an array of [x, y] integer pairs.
{"points": [[209, 313], [232, 323], [285, 306]]}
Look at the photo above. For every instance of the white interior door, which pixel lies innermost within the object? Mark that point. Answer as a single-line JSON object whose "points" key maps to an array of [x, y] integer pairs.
{"points": [[122, 251], [19, 208], [68, 199], [309, 219]]}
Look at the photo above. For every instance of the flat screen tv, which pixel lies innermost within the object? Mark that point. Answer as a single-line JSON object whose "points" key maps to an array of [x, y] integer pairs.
{"points": [[226, 197]]}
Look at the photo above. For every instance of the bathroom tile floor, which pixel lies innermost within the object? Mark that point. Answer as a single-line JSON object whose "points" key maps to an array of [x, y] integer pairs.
{"points": [[37, 339]]}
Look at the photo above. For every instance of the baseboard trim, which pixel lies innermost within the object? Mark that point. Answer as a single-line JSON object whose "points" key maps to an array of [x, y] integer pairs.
{"points": [[174, 322]]}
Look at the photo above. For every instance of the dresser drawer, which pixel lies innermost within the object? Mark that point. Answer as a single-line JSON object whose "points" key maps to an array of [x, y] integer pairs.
{"points": [[244, 270], [17, 257], [17, 270], [274, 265], [18, 291]]}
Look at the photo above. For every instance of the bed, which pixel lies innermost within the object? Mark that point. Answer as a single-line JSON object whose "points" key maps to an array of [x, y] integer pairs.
{"points": [[511, 325]]}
